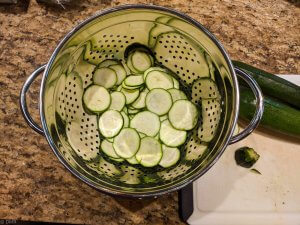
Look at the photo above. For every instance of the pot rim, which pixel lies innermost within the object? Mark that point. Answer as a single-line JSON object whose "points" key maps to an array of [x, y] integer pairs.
{"points": [[152, 7]]}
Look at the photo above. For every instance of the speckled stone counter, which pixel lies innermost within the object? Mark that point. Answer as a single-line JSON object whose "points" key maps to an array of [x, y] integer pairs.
{"points": [[33, 184]]}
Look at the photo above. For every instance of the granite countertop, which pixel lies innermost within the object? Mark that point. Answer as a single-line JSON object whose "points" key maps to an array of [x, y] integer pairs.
{"points": [[34, 185]]}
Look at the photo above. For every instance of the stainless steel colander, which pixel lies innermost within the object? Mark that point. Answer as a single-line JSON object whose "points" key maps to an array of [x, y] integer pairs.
{"points": [[179, 43]]}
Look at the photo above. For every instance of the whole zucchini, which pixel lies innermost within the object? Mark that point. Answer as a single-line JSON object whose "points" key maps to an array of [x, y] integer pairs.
{"points": [[278, 116], [273, 85]]}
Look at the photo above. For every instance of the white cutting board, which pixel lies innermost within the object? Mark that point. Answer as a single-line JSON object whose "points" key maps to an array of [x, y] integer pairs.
{"points": [[232, 195]]}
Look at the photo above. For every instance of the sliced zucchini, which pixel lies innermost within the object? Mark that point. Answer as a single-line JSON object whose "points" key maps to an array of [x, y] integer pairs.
{"points": [[204, 88], [141, 61], [132, 160], [183, 115], [149, 153], [130, 87], [211, 111], [142, 135], [175, 83], [159, 101], [107, 148], [162, 118], [119, 88], [126, 68], [129, 64], [125, 110], [120, 71], [105, 77], [107, 63], [170, 156], [140, 102], [134, 80], [177, 94], [153, 69], [125, 119], [111, 140], [118, 101], [130, 95], [171, 136], [96, 98], [110, 123], [146, 122], [127, 143], [117, 159], [133, 111], [158, 79]]}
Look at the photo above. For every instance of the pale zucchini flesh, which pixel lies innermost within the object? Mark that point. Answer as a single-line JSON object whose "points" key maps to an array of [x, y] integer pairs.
{"points": [[105, 77], [149, 153], [183, 115], [170, 156], [159, 101], [170, 136], [118, 101], [96, 98], [110, 123], [127, 143], [159, 79], [146, 122]]}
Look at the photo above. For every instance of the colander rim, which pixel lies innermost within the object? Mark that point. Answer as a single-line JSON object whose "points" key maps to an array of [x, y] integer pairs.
{"points": [[158, 8]]}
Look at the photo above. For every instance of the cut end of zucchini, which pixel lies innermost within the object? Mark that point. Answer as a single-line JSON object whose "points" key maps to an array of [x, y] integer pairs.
{"points": [[159, 101], [170, 156], [105, 77], [110, 123], [127, 143], [170, 136], [146, 122]]}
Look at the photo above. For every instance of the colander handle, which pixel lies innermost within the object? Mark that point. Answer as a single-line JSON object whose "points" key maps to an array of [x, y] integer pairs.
{"points": [[259, 106], [23, 103]]}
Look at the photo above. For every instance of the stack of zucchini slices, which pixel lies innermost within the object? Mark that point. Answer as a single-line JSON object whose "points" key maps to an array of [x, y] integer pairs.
{"points": [[143, 116]]}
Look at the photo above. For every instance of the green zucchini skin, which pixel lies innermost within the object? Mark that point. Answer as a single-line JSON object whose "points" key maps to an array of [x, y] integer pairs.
{"points": [[277, 116], [273, 85]]}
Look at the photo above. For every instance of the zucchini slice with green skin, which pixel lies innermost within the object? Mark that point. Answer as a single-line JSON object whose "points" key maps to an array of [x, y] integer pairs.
{"points": [[142, 135], [130, 87], [117, 159], [159, 101], [204, 88], [125, 119], [132, 160], [127, 143], [170, 136], [177, 94], [183, 115], [272, 85], [170, 156], [130, 95], [146, 122], [120, 72], [107, 63], [153, 69], [211, 111], [149, 153], [129, 64], [162, 118], [96, 98], [125, 67], [140, 102], [133, 111], [111, 140], [107, 148], [159, 79], [134, 80], [118, 101], [175, 83], [110, 123], [105, 77], [141, 61]]}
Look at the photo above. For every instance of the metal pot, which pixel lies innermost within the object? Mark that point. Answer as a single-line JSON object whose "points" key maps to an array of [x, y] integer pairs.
{"points": [[106, 36]]}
